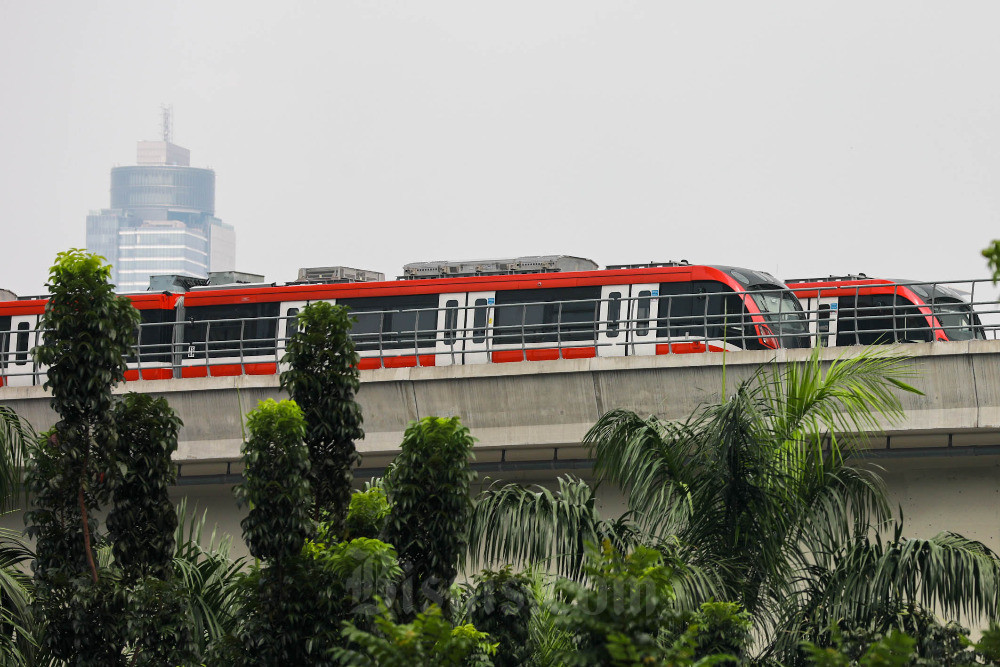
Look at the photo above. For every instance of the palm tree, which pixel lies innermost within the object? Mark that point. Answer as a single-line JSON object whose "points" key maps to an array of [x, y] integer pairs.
{"points": [[211, 578], [17, 624], [757, 496]]}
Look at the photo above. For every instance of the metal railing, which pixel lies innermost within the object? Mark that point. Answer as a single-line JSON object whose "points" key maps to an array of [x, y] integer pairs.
{"points": [[636, 325]]}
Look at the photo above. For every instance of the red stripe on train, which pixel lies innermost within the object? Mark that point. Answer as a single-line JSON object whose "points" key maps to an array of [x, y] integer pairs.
{"points": [[406, 361], [150, 374], [229, 370], [543, 354], [685, 348]]}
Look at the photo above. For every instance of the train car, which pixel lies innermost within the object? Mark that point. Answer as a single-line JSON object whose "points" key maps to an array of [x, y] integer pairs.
{"points": [[20, 332], [435, 321], [503, 318], [859, 310]]}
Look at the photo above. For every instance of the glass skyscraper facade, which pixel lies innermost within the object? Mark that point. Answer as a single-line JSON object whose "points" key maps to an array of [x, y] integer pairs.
{"points": [[161, 221]]}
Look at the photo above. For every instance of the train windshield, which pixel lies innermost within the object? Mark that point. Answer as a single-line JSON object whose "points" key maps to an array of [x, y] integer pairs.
{"points": [[958, 320], [783, 314]]}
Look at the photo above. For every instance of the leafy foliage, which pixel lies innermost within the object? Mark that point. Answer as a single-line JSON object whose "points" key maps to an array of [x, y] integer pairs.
{"points": [[143, 520], [992, 255], [502, 605], [894, 649], [142, 523], [74, 467], [428, 490], [428, 640], [367, 514], [723, 628], [933, 643], [617, 615], [156, 623], [293, 613], [756, 496], [323, 380], [276, 487]]}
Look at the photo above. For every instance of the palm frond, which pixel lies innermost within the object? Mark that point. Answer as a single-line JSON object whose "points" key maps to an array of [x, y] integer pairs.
{"points": [[19, 626], [652, 461], [515, 525], [950, 573], [210, 576], [15, 434], [838, 504], [868, 580], [849, 397]]}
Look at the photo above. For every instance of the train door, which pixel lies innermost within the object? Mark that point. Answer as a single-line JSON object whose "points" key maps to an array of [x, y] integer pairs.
{"points": [[823, 311], [287, 323], [625, 320], [24, 335], [451, 327], [477, 334], [612, 321], [642, 316]]}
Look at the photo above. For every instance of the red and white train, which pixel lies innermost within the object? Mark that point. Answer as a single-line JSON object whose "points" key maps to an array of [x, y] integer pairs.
{"points": [[858, 310], [638, 310]]}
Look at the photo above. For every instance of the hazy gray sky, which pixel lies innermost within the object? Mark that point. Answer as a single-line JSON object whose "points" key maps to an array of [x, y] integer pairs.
{"points": [[794, 137]]}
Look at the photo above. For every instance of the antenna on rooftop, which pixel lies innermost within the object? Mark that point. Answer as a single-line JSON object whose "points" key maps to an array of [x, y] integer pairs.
{"points": [[166, 111]]}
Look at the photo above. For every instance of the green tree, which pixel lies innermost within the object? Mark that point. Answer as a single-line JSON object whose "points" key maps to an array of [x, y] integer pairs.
{"points": [[142, 521], [276, 484], [366, 514], [617, 614], [755, 494], [73, 469], [276, 488], [429, 640], [502, 604], [323, 380], [624, 613], [428, 491], [142, 526], [992, 255]]}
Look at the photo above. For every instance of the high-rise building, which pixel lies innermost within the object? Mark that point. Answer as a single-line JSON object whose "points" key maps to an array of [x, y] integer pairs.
{"points": [[162, 219]]}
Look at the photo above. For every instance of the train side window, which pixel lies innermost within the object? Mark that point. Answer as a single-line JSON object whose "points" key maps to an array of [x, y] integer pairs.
{"points": [[21, 358], [866, 320], [450, 321], [394, 322], [291, 322], [614, 313], [823, 324], [546, 315], [824, 317], [479, 321], [642, 313], [910, 325], [232, 330]]}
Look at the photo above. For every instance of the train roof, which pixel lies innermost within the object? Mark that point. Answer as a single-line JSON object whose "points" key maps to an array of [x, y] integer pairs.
{"points": [[740, 277], [929, 291]]}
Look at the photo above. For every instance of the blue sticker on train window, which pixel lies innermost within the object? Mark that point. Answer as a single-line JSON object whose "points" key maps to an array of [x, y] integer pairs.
{"points": [[833, 306], [490, 301], [656, 292]]}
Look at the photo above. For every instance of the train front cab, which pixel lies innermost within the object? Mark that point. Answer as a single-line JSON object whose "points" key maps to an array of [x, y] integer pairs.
{"points": [[868, 311]]}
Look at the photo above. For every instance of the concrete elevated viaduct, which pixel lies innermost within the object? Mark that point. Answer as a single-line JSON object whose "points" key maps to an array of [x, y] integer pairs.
{"points": [[942, 461]]}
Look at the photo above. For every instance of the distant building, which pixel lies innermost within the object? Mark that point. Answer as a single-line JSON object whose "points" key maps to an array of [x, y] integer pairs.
{"points": [[162, 219]]}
